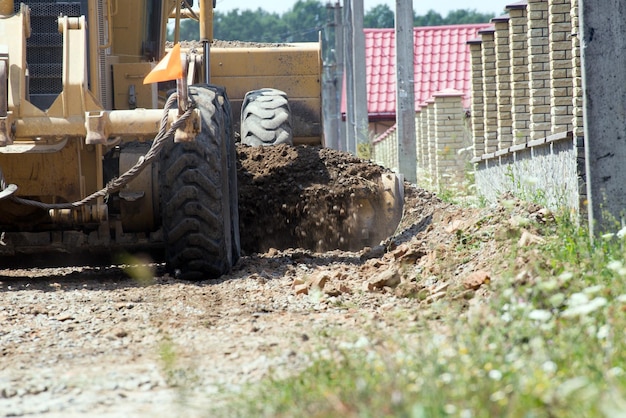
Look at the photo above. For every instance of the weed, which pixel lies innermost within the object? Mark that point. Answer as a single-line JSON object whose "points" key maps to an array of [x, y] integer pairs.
{"points": [[175, 374]]}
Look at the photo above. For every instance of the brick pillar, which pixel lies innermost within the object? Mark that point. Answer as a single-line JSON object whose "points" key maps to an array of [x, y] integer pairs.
{"points": [[503, 81], [520, 89], [422, 150], [577, 93], [539, 69], [432, 146], [449, 115], [418, 140], [477, 104], [490, 100], [423, 128], [560, 65], [577, 108]]}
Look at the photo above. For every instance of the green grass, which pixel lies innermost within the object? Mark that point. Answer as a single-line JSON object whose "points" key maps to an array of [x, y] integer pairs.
{"points": [[550, 342]]}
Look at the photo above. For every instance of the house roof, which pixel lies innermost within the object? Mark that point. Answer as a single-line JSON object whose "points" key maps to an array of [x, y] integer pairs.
{"points": [[441, 61]]}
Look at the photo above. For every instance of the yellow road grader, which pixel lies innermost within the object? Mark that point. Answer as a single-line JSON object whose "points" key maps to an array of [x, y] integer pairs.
{"points": [[92, 158]]}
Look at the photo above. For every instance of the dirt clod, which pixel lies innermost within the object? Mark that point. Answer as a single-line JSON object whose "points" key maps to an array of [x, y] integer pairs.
{"points": [[476, 279]]}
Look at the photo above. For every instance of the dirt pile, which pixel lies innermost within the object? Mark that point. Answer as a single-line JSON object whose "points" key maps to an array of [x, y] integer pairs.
{"points": [[311, 197]]}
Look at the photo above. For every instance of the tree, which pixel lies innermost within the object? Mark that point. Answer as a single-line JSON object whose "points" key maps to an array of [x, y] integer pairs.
{"points": [[380, 16], [432, 18], [305, 21], [248, 25], [467, 16], [189, 30], [454, 17]]}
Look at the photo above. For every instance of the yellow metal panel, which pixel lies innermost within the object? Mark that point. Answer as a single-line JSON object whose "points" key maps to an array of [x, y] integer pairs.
{"points": [[266, 61], [13, 28], [47, 175], [128, 22], [127, 75]]}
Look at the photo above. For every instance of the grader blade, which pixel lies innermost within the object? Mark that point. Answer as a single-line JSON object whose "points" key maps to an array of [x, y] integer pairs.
{"points": [[314, 198]]}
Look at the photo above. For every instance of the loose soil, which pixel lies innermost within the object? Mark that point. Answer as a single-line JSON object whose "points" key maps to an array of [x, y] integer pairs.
{"points": [[309, 197], [133, 341]]}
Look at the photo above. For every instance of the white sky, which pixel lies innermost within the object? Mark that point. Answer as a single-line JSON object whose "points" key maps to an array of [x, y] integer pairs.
{"points": [[420, 7]]}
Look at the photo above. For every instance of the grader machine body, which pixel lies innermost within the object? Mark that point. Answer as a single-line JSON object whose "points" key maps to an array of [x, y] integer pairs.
{"points": [[87, 158]]}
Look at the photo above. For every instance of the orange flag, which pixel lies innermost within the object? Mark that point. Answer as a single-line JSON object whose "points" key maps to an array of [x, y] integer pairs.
{"points": [[169, 68]]}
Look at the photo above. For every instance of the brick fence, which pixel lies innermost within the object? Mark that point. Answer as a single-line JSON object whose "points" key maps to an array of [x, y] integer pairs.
{"points": [[443, 141], [525, 133], [526, 109]]}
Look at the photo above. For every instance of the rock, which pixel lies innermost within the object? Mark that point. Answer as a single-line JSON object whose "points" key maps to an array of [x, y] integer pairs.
{"points": [[407, 254], [387, 278], [375, 252], [119, 332], [407, 290], [297, 282], [344, 288], [529, 238], [455, 225], [332, 290], [64, 316], [301, 289], [318, 280], [435, 296], [476, 279]]}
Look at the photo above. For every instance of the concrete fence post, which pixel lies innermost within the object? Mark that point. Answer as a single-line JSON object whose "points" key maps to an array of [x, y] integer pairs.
{"points": [[603, 24]]}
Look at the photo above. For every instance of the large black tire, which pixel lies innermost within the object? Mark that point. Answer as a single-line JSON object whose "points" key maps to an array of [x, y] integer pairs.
{"points": [[232, 181], [198, 200], [266, 118]]}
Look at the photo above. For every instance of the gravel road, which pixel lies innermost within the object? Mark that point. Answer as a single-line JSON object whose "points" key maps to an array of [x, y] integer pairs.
{"points": [[94, 341]]}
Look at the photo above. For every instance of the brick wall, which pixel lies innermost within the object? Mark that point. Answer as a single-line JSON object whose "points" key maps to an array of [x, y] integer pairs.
{"points": [[443, 142], [526, 128], [538, 91]]}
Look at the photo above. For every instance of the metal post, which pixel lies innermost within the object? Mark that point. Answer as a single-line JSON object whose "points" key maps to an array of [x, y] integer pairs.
{"points": [[603, 30], [405, 94], [349, 66], [330, 93], [361, 118], [206, 35], [339, 71]]}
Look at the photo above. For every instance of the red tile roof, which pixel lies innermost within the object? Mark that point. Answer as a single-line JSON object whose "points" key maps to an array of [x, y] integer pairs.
{"points": [[441, 61]]}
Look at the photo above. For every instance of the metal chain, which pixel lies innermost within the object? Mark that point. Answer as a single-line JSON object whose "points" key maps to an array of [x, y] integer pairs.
{"points": [[119, 182]]}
